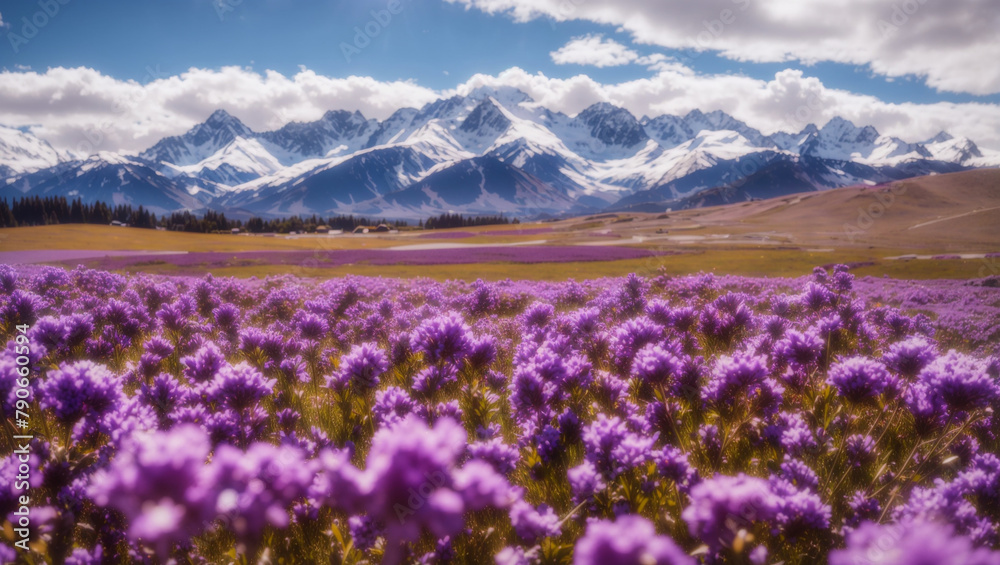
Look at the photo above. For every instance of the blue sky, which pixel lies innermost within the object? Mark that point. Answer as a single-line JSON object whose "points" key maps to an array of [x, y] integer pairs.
{"points": [[909, 74]]}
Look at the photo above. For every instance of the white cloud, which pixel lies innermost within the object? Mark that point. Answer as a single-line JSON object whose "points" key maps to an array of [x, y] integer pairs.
{"points": [[593, 50], [947, 43], [788, 102], [84, 110]]}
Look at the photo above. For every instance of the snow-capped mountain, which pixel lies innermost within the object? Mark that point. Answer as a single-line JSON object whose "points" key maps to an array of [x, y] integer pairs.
{"points": [[113, 179], [200, 143], [21, 152], [493, 149], [336, 133]]}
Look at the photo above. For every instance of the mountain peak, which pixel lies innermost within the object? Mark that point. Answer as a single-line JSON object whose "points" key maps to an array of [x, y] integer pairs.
{"points": [[941, 137], [505, 95], [220, 115], [221, 120], [612, 125], [841, 130], [486, 118]]}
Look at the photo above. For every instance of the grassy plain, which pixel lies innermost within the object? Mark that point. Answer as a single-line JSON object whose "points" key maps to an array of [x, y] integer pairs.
{"points": [[787, 236]]}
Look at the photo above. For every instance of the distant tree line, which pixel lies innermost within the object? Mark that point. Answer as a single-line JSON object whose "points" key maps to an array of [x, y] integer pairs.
{"points": [[38, 211], [459, 221]]}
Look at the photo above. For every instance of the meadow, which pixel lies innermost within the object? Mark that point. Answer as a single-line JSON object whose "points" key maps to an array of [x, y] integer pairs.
{"points": [[770, 382], [637, 419]]}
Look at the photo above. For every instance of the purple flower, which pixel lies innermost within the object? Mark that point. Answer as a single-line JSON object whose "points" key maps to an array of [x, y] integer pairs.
{"points": [[798, 348], [917, 543], [157, 483], [255, 488], [204, 364], [238, 387], [585, 481], [227, 317], [480, 486], [863, 508], [960, 381], [80, 389], [444, 338], [632, 336], [163, 394], [743, 375], [362, 367], [656, 365], [799, 474], [910, 356], [859, 378], [364, 532], [408, 478], [673, 464], [494, 451], [612, 448], [532, 524], [432, 379], [721, 506], [537, 316], [799, 510], [859, 450], [516, 556], [482, 352], [392, 405], [629, 540], [927, 407]]}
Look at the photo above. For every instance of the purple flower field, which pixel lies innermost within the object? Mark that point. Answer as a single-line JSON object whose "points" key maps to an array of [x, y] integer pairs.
{"points": [[660, 420], [471, 255]]}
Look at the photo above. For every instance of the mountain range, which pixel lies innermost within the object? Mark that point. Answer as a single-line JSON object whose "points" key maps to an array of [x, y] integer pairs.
{"points": [[493, 150]]}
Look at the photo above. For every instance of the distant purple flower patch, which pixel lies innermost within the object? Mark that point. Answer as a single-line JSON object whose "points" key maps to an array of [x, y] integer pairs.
{"points": [[446, 235], [382, 257], [526, 231]]}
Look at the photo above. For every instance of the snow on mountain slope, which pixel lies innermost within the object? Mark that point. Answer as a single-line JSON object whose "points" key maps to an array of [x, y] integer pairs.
{"points": [[240, 161], [431, 158], [671, 131], [22, 152], [481, 185], [113, 179], [961, 150], [655, 166], [335, 185], [336, 133], [200, 142]]}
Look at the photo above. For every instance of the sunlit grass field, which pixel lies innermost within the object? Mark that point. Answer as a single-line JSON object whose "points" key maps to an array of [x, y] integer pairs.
{"points": [[692, 257]]}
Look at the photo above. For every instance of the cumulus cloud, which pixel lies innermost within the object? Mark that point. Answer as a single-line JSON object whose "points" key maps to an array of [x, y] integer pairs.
{"points": [[593, 50], [788, 102], [946, 43], [83, 110]]}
